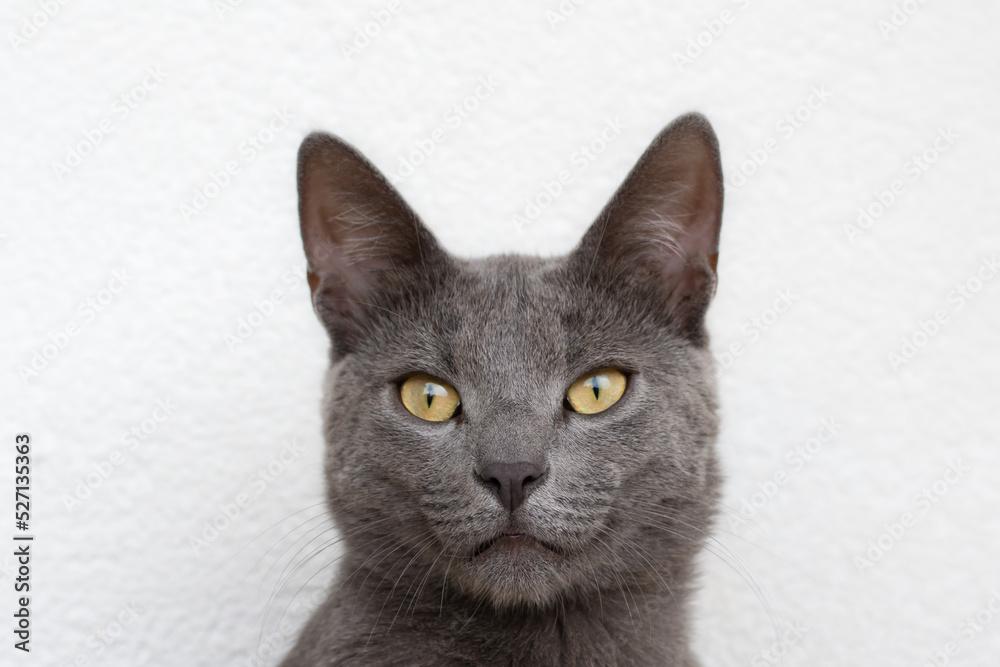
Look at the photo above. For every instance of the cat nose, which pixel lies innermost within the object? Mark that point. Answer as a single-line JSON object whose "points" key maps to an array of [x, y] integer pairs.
{"points": [[511, 482]]}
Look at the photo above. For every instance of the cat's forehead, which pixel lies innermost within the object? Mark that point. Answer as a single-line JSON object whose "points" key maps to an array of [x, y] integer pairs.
{"points": [[516, 321], [508, 312], [513, 285]]}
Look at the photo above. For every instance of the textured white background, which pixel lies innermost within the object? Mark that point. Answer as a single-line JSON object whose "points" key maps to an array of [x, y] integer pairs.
{"points": [[193, 280]]}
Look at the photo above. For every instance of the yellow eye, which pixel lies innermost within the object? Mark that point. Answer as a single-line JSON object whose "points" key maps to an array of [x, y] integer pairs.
{"points": [[429, 398], [596, 391]]}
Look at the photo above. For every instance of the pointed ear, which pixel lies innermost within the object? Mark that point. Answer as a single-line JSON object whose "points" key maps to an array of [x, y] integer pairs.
{"points": [[362, 242], [661, 228]]}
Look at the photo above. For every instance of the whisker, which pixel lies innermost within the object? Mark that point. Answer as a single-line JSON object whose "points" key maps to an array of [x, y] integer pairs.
{"points": [[743, 539], [444, 584], [322, 527], [283, 579], [412, 608], [736, 563], [233, 555], [639, 551], [381, 581], [644, 599], [430, 541], [622, 586]]}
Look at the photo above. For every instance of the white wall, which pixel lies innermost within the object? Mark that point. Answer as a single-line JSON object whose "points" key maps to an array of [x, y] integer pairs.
{"points": [[190, 281]]}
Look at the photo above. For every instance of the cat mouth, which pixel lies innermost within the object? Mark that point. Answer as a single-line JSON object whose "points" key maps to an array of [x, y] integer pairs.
{"points": [[514, 540]]}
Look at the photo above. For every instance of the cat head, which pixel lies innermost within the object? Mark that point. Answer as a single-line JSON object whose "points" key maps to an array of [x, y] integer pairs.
{"points": [[529, 429]]}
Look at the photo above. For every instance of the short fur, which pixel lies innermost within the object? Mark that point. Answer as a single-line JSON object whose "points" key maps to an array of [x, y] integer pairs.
{"points": [[628, 495]]}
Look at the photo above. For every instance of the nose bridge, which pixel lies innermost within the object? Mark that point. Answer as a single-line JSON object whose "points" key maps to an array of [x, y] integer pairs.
{"points": [[512, 450], [513, 432], [512, 347]]}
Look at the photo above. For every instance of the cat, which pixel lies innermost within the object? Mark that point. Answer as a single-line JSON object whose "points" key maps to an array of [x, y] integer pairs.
{"points": [[520, 452]]}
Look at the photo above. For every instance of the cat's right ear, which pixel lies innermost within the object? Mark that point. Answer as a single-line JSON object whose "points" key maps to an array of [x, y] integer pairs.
{"points": [[661, 228], [361, 239]]}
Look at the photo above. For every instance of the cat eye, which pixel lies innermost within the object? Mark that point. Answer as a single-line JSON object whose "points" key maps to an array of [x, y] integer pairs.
{"points": [[596, 391], [429, 398]]}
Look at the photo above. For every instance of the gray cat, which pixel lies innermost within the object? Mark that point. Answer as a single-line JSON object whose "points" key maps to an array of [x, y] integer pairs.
{"points": [[520, 451]]}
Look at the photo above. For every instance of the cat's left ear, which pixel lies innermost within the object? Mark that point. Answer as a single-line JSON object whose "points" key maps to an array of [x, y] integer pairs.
{"points": [[661, 228], [362, 241]]}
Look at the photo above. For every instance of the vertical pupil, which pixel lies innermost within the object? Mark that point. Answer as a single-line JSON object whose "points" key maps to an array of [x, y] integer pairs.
{"points": [[598, 383], [429, 393]]}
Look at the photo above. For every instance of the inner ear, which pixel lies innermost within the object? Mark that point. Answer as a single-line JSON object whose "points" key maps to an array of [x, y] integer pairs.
{"points": [[363, 243], [663, 223]]}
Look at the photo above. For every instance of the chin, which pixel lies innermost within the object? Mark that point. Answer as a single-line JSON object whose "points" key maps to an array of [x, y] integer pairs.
{"points": [[515, 572]]}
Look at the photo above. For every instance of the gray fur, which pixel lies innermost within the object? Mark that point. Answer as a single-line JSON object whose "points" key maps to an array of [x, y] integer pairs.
{"points": [[629, 493]]}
